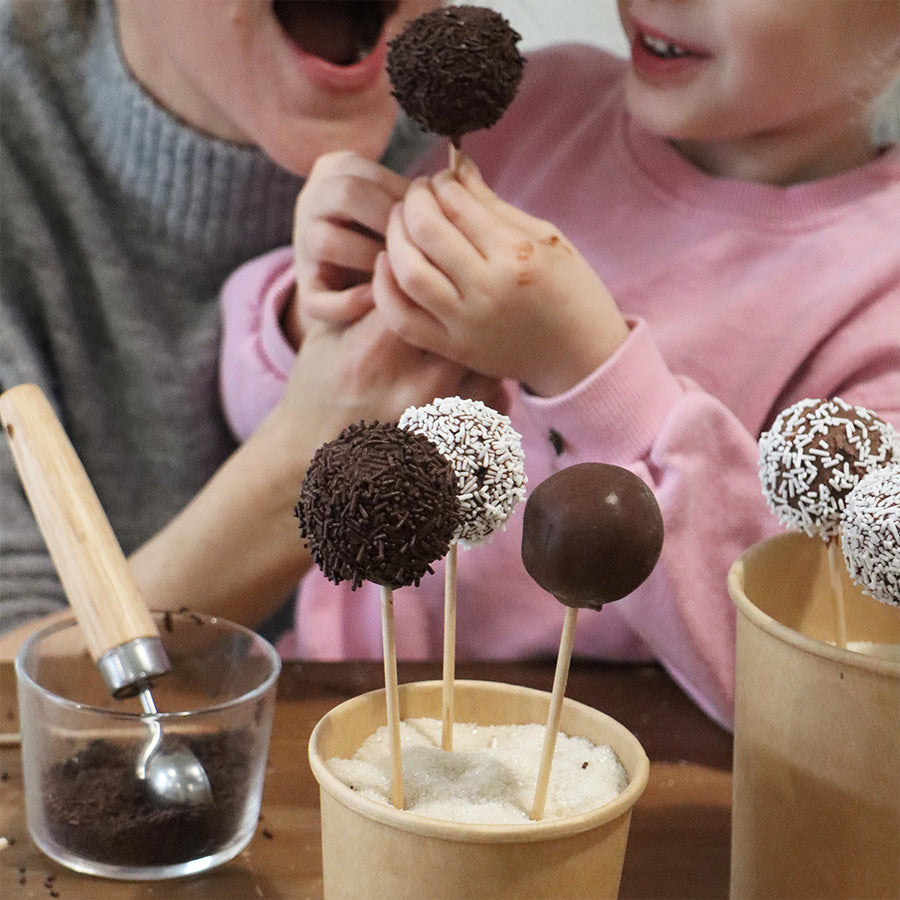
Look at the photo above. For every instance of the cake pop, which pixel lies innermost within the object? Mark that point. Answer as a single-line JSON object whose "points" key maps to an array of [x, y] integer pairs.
{"points": [[456, 69], [378, 504], [870, 534], [813, 456], [485, 452], [591, 534]]}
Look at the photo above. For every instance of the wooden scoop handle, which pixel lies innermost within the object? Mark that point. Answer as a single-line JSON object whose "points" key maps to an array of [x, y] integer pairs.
{"points": [[91, 565]]}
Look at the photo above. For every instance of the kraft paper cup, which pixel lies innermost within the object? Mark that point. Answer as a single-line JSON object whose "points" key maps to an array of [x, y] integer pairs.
{"points": [[816, 805], [373, 850]]}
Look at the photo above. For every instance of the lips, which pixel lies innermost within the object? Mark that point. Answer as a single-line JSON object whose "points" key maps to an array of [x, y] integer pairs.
{"points": [[338, 32]]}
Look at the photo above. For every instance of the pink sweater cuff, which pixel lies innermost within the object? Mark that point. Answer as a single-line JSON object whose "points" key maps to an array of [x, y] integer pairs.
{"points": [[256, 357], [626, 400]]}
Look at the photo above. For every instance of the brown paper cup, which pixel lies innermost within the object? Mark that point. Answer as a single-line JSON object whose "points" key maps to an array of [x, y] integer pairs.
{"points": [[375, 851], [816, 797]]}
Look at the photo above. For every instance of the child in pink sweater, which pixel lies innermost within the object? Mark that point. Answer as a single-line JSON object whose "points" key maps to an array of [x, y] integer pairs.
{"points": [[687, 242]]}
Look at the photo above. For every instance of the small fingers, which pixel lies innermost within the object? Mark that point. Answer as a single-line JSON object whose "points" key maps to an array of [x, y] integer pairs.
{"points": [[409, 321], [415, 273]]}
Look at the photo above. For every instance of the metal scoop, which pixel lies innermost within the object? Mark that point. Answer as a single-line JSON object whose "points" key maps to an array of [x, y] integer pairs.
{"points": [[121, 635]]}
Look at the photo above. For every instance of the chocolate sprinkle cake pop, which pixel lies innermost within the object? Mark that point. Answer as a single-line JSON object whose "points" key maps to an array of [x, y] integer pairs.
{"points": [[455, 70], [813, 456], [378, 504], [870, 534], [592, 533], [485, 452]]}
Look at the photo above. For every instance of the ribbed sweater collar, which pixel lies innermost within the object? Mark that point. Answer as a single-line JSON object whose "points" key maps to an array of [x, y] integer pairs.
{"points": [[663, 170], [208, 193]]}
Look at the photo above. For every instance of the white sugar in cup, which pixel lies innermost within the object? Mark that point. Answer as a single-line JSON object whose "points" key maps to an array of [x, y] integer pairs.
{"points": [[373, 850], [816, 787]]}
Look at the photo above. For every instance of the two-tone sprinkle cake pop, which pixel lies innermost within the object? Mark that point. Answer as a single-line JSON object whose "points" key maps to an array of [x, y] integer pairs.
{"points": [[379, 504], [455, 70], [810, 460], [592, 533], [870, 534], [485, 452]]}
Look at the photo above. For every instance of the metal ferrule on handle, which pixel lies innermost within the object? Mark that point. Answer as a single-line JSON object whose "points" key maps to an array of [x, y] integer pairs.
{"points": [[130, 667]]}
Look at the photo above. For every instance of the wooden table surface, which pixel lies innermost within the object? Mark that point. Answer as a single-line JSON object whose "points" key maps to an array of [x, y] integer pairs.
{"points": [[680, 831]]}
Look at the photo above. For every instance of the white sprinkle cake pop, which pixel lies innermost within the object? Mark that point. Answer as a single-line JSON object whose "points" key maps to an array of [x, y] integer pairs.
{"points": [[485, 452], [813, 456], [870, 534]]}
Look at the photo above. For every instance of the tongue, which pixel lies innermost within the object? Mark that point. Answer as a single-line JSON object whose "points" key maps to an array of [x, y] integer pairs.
{"points": [[322, 28]]}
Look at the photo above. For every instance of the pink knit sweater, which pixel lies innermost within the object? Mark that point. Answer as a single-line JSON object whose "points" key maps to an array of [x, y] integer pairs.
{"points": [[743, 298]]}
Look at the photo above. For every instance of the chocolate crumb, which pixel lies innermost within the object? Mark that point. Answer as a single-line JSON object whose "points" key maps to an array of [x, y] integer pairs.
{"points": [[96, 808], [557, 441]]}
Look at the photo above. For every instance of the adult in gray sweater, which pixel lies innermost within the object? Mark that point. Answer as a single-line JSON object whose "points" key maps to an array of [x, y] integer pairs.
{"points": [[149, 147]]}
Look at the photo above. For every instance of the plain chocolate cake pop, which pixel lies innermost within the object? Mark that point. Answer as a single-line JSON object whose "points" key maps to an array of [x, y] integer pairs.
{"points": [[813, 456], [456, 69], [378, 504], [870, 534], [591, 534], [485, 452]]}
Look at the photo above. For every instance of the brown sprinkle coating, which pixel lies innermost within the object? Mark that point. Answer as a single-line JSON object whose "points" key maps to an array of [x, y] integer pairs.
{"points": [[378, 504], [456, 70]]}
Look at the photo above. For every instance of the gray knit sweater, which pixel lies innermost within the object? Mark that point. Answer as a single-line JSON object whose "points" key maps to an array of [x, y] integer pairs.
{"points": [[118, 225]]}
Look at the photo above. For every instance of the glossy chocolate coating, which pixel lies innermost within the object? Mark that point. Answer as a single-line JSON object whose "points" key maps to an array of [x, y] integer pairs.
{"points": [[591, 534]]}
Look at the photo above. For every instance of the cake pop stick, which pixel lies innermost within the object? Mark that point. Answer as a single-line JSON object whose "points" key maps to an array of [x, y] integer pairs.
{"points": [[392, 694], [558, 693], [379, 504], [835, 563], [591, 534], [448, 673], [810, 460], [485, 452], [456, 70]]}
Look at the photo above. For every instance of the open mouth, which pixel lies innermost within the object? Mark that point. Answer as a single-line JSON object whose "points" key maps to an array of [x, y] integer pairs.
{"points": [[341, 32], [664, 49]]}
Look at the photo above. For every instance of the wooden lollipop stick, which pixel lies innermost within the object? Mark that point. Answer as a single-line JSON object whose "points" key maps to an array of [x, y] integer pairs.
{"points": [[391, 694], [835, 564], [560, 678], [456, 158], [449, 648]]}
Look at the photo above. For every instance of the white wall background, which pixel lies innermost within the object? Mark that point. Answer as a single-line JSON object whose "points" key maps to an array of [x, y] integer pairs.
{"points": [[551, 21], [597, 22]]}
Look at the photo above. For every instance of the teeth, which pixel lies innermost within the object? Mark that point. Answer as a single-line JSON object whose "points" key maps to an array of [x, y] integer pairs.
{"points": [[662, 48]]}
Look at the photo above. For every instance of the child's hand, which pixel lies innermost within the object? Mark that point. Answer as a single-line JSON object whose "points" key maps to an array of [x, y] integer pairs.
{"points": [[471, 278], [339, 226], [363, 371]]}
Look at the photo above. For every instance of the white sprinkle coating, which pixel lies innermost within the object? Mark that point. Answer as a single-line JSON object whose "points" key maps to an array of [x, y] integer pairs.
{"points": [[486, 454], [813, 456], [870, 534]]}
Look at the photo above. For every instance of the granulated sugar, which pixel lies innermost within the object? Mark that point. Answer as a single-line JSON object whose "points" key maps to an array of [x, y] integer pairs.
{"points": [[489, 776]]}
